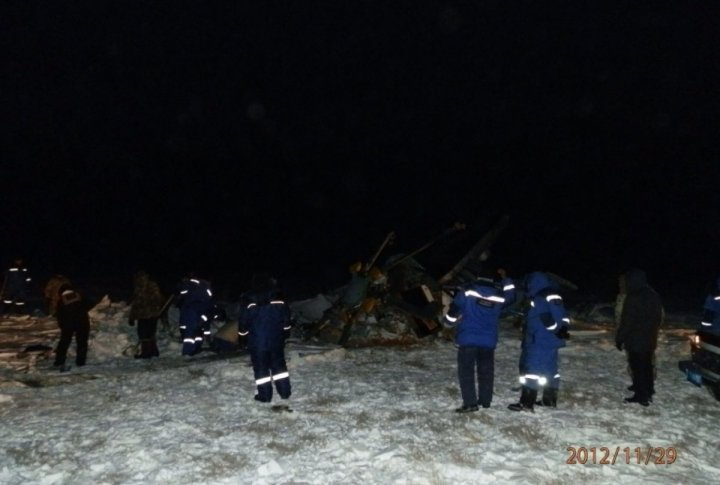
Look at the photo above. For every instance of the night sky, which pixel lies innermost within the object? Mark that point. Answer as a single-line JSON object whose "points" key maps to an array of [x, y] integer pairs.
{"points": [[232, 136]]}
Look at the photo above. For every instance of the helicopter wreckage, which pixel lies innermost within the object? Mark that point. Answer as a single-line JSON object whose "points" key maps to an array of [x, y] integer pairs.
{"points": [[396, 302]]}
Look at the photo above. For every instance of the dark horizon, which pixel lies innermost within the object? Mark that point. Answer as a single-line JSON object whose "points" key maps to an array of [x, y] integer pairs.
{"points": [[230, 138]]}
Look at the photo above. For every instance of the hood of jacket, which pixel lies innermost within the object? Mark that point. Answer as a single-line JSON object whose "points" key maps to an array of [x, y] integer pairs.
{"points": [[536, 282]]}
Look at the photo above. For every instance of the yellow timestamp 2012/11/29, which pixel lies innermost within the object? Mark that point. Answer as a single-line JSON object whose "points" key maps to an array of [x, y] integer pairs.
{"points": [[603, 455]]}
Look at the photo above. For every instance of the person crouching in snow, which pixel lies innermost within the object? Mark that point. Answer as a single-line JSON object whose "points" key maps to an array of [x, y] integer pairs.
{"points": [[475, 311], [546, 329], [264, 319]]}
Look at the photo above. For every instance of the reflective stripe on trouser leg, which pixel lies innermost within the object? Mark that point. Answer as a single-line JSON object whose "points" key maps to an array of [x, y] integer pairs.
{"points": [[554, 382], [280, 374], [264, 388], [188, 347], [192, 339], [198, 343], [533, 381], [263, 376]]}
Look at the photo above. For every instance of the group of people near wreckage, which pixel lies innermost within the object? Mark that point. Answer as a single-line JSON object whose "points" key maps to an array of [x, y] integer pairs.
{"points": [[264, 323], [475, 313]]}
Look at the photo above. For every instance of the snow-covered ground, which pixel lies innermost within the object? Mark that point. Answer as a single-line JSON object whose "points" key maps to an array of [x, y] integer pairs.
{"points": [[373, 415]]}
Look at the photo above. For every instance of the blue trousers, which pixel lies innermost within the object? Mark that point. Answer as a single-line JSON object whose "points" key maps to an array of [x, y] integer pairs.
{"points": [[192, 339], [269, 367], [476, 362]]}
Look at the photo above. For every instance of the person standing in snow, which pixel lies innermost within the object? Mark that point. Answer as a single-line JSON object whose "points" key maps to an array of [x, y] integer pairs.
{"points": [[264, 320], [352, 298], [17, 281], [637, 333], [619, 302], [145, 306], [711, 315], [546, 329], [73, 319], [475, 313], [194, 299]]}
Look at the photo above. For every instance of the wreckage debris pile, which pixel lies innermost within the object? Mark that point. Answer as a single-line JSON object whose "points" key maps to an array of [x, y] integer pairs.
{"points": [[25, 340]]}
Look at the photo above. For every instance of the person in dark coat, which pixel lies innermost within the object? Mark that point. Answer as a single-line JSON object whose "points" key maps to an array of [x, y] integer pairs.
{"points": [[145, 306], [351, 300], [264, 320], [51, 292], [475, 312], [17, 280], [546, 329], [638, 332], [73, 319]]}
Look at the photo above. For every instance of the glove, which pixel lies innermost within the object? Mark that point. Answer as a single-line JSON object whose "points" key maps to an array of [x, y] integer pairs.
{"points": [[131, 322], [619, 345], [563, 333]]}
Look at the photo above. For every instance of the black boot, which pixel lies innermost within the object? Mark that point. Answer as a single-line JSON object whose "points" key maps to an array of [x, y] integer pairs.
{"points": [[640, 400], [652, 390], [154, 352], [527, 400], [467, 409], [549, 398], [143, 350]]}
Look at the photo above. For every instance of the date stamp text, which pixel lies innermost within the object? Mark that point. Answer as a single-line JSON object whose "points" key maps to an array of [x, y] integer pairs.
{"points": [[602, 455]]}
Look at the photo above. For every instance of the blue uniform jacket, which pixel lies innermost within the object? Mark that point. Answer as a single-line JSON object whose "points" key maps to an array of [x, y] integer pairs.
{"points": [[16, 280], [711, 317], [546, 316], [264, 319], [476, 312], [195, 299]]}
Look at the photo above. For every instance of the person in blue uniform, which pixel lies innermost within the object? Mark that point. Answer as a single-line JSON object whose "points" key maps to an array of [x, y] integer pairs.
{"points": [[546, 329], [475, 313], [194, 301], [264, 321], [711, 315], [17, 280]]}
